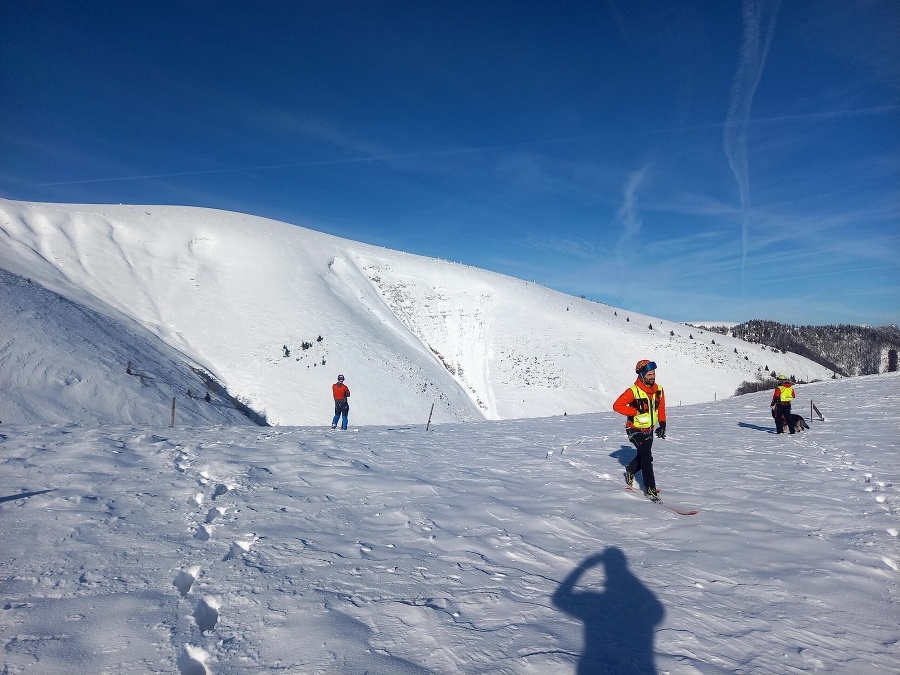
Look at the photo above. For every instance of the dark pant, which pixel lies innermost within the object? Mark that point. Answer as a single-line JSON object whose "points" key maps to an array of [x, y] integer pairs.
{"points": [[341, 409], [783, 417], [643, 441]]}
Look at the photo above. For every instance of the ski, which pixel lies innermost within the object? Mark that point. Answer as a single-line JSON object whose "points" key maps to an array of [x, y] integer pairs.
{"points": [[680, 512]]}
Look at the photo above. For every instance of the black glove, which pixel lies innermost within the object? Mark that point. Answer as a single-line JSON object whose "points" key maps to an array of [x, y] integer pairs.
{"points": [[661, 430]]}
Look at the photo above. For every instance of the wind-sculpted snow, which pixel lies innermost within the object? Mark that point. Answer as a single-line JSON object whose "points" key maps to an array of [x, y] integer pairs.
{"points": [[274, 312], [496, 547], [62, 362]]}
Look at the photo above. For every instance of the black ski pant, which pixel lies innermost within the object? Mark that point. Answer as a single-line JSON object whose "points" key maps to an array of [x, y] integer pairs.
{"points": [[643, 441], [341, 410], [783, 417]]}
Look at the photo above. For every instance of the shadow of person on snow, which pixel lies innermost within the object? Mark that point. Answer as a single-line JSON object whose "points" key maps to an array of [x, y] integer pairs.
{"points": [[756, 427], [619, 622], [23, 495], [624, 455]]}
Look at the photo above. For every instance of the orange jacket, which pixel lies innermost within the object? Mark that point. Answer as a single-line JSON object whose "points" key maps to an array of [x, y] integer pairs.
{"points": [[341, 391], [650, 402]]}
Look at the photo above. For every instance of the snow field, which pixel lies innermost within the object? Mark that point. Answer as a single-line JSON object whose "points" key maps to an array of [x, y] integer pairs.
{"points": [[389, 549]]}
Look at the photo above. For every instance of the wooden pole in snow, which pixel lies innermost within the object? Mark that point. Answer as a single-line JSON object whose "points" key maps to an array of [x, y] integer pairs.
{"points": [[173, 413], [429, 417], [821, 416]]}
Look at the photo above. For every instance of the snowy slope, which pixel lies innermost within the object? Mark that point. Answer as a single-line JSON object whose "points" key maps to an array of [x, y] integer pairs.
{"points": [[498, 547], [61, 362], [228, 291]]}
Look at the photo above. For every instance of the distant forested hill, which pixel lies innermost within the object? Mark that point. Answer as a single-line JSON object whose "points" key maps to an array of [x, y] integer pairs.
{"points": [[847, 350]]}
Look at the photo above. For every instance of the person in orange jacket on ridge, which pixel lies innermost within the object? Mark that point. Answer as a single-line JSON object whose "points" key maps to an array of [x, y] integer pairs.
{"points": [[341, 393], [644, 404]]}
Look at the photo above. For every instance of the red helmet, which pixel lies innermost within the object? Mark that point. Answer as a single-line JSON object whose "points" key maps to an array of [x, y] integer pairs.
{"points": [[644, 366]]}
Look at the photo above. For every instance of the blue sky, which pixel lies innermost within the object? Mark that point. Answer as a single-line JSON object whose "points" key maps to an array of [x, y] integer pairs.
{"points": [[705, 160]]}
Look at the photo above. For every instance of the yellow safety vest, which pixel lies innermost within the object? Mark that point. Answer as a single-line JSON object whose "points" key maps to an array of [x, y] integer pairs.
{"points": [[785, 394], [646, 406]]}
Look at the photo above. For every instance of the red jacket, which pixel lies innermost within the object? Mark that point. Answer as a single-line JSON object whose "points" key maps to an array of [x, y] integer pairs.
{"points": [[649, 406], [784, 393], [341, 391]]}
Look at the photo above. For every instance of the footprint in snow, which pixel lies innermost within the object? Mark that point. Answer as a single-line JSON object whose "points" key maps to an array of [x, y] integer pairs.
{"points": [[192, 661], [204, 532], [182, 460], [221, 489], [239, 547], [185, 579], [206, 614], [877, 486], [214, 513]]}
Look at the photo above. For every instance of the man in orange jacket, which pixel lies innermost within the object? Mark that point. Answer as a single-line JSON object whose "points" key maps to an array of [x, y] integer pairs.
{"points": [[644, 404], [341, 393], [781, 404]]}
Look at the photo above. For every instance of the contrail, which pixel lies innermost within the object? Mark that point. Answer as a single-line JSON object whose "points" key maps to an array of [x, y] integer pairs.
{"points": [[769, 280], [447, 152], [754, 49], [264, 167], [628, 216]]}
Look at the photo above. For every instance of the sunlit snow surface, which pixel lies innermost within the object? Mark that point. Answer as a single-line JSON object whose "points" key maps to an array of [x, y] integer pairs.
{"points": [[226, 292], [381, 549], [215, 546]]}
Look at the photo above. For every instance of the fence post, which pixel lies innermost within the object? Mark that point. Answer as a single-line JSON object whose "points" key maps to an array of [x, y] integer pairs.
{"points": [[429, 417], [173, 413], [813, 407]]}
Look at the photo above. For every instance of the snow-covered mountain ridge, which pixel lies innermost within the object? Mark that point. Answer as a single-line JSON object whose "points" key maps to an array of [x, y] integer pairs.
{"points": [[246, 300]]}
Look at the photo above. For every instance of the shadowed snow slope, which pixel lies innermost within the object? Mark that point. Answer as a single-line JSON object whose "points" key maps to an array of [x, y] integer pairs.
{"points": [[228, 292], [482, 548], [62, 362]]}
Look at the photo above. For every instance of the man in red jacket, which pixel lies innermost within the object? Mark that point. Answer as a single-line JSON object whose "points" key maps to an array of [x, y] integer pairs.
{"points": [[341, 393], [781, 404], [644, 404]]}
